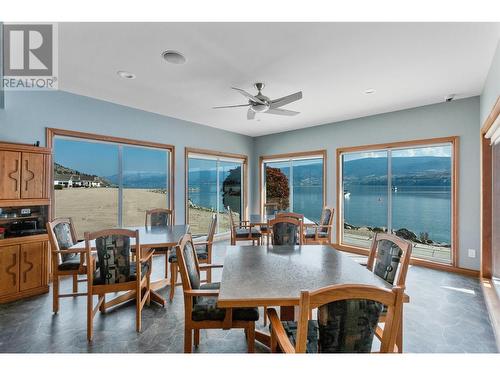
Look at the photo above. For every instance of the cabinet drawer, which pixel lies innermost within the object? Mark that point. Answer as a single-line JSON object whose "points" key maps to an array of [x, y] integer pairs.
{"points": [[9, 269]]}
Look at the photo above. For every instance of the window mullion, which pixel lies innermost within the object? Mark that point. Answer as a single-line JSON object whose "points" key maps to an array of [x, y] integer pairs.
{"points": [[120, 185], [389, 191]]}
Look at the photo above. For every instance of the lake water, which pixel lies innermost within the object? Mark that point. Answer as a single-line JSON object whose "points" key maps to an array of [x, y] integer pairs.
{"points": [[421, 209]]}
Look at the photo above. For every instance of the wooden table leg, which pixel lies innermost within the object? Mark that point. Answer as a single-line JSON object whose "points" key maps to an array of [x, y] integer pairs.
{"points": [[286, 313], [157, 298]]}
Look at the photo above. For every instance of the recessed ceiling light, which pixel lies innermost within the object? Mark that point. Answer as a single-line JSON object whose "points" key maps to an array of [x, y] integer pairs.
{"points": [[173, 57], [126, 75], [370, 91]]}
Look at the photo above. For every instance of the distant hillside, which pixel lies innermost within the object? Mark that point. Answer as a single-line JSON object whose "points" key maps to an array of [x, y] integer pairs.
{"points": [[406, 171], [61, 169]]}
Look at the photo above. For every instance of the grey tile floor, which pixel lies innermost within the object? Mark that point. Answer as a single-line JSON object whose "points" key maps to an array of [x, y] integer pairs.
{"points": [[447, 313]]}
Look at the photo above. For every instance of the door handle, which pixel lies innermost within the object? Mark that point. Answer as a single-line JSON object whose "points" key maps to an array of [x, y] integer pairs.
{"points": [[9, 268], [15, 178], [30, 178]]}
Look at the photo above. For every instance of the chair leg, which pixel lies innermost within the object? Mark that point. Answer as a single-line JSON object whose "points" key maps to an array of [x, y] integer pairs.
{"points": [[166, 265], [265, 316], [90, 317], [55, 294], [399, 337], [196, 338], [75, 283], [251, 337], [138, 309], [188, 340], [173, 279]]}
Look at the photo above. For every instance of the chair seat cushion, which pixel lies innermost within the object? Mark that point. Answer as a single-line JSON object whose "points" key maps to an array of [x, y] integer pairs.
{"points": [[144, 269], [210, 286], [243, 233], [201, 252], [205, 308], [70, 263], [312, 334], [311, 233]]}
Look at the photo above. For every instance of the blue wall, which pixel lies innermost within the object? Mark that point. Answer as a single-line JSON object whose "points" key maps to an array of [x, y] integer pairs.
{"points": [[27, 114]]}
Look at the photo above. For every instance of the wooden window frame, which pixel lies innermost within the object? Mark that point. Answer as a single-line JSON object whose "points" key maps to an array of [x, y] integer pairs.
{"points": [[487, 193], [51, 133], [455, 141], [303, 154], [213, 153]]}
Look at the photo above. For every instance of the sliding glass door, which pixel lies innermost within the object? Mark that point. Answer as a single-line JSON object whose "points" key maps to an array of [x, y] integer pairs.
{"points": [[295, 184], [214, 182], [104, 185], [405, 191]]}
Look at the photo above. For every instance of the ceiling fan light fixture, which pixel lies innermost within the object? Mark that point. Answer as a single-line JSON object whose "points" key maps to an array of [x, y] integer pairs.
{"points": [[173, 57]]}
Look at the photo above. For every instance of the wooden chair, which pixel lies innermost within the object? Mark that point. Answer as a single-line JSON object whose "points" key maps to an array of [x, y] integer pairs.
{"points": [[348, 316], [244, 231], [200, 301], [117, 273], [320, 233], [388, 255], [204, 253], [160, 217], [285, 230], [62, 236]]}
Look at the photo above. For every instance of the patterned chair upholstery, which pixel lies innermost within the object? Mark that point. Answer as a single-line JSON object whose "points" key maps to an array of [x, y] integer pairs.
{"points": [[160, 219], [205, 308], [285, 233], [387, 260], [323, 228], [346, 326], [64, 240], [113, 254], [201, 251]]}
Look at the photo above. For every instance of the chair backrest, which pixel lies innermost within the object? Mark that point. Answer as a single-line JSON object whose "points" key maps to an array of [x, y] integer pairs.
{"points": [[286, 230], [388, 254], [270, 208], [290, 214], [113, 254], [231, 220], [326, 220], [348, 316], [159, 217], [62, 236], [211, 228], [187, 261]]}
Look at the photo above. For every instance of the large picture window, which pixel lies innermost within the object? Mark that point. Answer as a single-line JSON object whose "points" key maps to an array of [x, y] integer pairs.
{"points": [[103, 184], [214, 181], [405, 189], [294, 182]]}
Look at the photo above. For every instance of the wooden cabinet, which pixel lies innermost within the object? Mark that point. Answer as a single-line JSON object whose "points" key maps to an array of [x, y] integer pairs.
{"points": [[10, 175], [25, 175], [9, 270], [23, 267]]}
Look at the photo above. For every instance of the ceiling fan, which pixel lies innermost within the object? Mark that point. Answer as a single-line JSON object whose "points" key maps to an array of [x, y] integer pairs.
{"points": [[262, 104]]}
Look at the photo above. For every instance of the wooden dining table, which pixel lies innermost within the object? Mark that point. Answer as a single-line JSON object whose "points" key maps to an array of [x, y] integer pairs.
{"points": [[150, 238], [275, 275], [257, 219]]}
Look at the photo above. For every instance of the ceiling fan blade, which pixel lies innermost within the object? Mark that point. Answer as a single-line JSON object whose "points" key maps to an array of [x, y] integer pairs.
{"points": [[286, 100], [250, 114], [232, 106], [248, 95], [282, 112]]}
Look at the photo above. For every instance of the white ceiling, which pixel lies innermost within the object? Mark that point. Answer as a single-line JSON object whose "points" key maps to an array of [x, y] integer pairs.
{"points": [[409, 64]]}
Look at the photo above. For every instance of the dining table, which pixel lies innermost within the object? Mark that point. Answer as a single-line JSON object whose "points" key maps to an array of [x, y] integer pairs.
{"points": [[150, 238], [270, 275], [261, 220]]}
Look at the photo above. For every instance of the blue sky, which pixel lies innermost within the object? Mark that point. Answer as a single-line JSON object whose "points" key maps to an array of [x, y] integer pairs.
{"points": [[101, 158]]}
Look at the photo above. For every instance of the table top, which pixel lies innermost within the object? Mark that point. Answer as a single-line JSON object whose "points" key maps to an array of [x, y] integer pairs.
{"points": [[262, 219], [152, 236], [275, 275]]}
